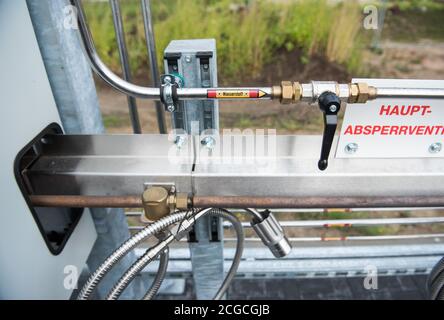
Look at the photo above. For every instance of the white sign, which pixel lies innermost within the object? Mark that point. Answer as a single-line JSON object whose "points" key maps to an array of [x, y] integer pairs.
{"points": [[394, 128]]}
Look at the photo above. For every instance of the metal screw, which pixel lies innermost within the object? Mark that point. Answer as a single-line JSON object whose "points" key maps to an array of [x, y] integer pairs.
{"points": [[205, 66], [171, 108], [208, 142], [180, 141], [174, 67], [188, 59], [351, 148], [333, 108], [167, 79], [435, 147]]}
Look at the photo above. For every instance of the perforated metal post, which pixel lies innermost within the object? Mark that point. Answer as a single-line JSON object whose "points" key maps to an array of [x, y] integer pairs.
{"points": [[75, 94], [195, 61]]}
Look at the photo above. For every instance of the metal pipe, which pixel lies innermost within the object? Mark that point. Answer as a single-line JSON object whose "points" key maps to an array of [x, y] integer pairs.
{"points": [[151, 47], [202, 94], [101, 69], [124, 61], [341, 222], [315, 202], [259, 93], [352, 238], [135, 201], [87, 201], [437, 93], [351, 222]]}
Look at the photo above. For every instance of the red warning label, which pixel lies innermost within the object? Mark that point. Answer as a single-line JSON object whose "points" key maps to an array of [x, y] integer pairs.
{"points": [[235, 94], [399, 111]]}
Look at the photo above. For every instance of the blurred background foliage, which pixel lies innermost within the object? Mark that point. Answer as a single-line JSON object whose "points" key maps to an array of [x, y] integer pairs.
{"points": [[248, 33]]}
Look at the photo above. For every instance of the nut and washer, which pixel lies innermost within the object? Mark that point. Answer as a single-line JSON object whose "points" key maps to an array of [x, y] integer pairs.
{"points": [[435, 147], [354, 93], [289, 92], [209, 142], [351, 148]]}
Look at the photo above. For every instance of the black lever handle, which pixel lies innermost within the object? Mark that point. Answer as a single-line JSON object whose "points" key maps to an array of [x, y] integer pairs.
{"points": [[330, 104]]}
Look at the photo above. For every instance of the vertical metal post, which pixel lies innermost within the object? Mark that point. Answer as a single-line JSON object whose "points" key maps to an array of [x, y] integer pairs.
{"points": [[124, 61], [75, 94], [151, 47], [195, 61]]}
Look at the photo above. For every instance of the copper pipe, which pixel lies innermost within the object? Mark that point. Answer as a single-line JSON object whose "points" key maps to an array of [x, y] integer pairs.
{"points": [[315, 202], [135, 201], [130, 201]]}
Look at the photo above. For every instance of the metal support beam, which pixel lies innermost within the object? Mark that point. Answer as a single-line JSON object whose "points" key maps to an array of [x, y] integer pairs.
{"points": [[151, 47], [116, 165], [124, 61], [195, 61], [74, 92]]}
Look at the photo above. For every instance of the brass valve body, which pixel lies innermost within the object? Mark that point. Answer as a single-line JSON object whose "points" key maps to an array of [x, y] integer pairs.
{"points": [[159, 202]]}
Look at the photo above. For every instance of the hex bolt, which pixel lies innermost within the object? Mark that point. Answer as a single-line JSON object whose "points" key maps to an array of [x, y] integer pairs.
{"points": [[351, 148], [209, 142], [180, 141], [435, 147], [333, 108]]}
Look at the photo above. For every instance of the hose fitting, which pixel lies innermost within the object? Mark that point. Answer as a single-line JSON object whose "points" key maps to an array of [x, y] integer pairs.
{"points": [[159, 202], [271, 234]]}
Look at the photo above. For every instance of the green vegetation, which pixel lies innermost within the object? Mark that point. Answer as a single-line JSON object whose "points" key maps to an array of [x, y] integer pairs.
{"points": [[113, 121], [407, 5], [428, 24], [248, 35]]}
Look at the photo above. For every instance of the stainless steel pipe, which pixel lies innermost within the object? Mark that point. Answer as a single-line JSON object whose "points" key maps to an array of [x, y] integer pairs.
{"points": [[202, 94]]}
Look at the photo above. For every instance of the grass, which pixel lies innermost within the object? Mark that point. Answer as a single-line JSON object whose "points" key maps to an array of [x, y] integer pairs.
{"points": [[247, 37], [114, 121], [428, 25]]}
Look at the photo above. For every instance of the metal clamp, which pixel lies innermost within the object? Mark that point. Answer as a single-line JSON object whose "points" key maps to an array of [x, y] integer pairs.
{"points": [[168, 91]]}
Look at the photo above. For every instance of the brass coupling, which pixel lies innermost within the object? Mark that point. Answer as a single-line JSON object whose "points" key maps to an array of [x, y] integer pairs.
{"points": [[291, 92], [288, 92], [361, 92], [159, 202]]}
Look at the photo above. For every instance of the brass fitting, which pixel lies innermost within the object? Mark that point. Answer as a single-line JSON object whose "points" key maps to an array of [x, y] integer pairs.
{"points": [[159, 202], [361, 93], [288, 92]]}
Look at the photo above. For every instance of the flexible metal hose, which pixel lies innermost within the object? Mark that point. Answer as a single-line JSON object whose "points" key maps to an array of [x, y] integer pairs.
{"points": [[151, 253], [237, 225], [137, 266], [120, 252], [161, 272]]}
